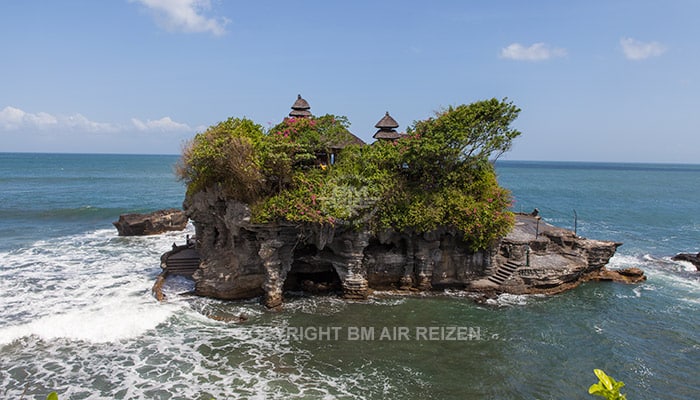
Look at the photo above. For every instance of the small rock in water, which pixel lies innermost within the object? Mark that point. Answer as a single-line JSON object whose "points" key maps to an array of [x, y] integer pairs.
{"points": [[692, 258], [151, 223], [625, 275]]}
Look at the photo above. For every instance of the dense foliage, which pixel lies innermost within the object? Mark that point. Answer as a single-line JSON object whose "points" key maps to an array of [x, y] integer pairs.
{"points": [[227, 155], [438, 175]]}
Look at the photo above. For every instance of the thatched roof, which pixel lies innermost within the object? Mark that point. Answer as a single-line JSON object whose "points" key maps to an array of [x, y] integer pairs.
{"points": [[300, 108], [387, 129], [386, 134], [387, 122], [352, 139]]}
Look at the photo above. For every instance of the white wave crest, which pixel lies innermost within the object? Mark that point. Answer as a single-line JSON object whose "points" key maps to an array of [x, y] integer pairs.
{"points": [[104, 322], [94, 287]]}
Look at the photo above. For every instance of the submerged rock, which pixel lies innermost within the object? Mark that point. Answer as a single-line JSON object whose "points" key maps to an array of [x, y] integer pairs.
{"points": [[151, 223], [243, 260]]}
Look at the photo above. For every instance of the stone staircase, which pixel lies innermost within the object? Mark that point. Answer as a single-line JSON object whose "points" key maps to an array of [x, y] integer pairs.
{"points": [[181, 262], [504, 272]]}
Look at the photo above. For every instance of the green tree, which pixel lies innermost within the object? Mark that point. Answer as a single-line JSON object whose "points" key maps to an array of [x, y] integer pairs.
{"points": [[440, 148], [445, 173]]}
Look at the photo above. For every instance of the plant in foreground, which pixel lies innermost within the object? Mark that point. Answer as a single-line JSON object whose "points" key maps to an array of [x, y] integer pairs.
{"points": [[606, 387]]}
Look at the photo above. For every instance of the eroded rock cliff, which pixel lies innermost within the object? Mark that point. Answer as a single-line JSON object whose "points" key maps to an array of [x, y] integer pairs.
{"points": [[244, 260]]}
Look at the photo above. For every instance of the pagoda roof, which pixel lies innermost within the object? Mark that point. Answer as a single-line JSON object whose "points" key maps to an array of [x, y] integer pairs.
{"points": [[387, 122], [386, 134], [300, 108], [300, 113], [300, 104]]}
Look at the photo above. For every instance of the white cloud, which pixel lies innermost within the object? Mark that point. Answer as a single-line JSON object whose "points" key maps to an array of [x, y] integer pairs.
{"points": [[185, 16], [15, 119], [636, 50], [42, 119], [536, 52], [12, 118], [165, 124], [81, 123]]}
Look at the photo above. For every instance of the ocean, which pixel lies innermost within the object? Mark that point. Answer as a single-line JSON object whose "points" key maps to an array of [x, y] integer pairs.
{"points": [[77, 315]]}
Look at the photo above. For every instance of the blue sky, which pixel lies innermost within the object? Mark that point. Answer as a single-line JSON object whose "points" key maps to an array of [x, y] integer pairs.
{"points": [[597, 80]]}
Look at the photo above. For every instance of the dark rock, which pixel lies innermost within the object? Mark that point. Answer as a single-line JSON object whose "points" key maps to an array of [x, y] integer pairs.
{"points": [[151, 223], [692, 258]]}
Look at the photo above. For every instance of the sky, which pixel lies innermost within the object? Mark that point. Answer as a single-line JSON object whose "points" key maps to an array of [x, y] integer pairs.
{"points": [[596, 80]]}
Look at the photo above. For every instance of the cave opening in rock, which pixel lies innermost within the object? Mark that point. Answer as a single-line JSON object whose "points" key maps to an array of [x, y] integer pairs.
{"points": [[311, 273]]}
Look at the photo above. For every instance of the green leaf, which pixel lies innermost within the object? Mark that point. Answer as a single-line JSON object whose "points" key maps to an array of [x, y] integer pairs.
{"points": [[52, 396], [596, 389], [604, 379]]}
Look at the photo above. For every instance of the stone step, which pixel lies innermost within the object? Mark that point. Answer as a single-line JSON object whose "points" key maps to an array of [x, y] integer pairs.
{"points": [[171, 268], [504, 272], [182, 266], [508, 268], [510, 265], [182, 261]]}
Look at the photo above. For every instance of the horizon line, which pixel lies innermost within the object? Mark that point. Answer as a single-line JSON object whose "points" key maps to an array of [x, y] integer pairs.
{"points": [[497, 161]]}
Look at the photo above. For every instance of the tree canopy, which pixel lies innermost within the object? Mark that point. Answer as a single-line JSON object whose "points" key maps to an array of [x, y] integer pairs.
{"points": [[440, 174]]}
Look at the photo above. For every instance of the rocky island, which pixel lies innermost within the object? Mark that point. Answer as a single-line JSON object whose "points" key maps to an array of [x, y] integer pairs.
{"points": [[307, 206]]}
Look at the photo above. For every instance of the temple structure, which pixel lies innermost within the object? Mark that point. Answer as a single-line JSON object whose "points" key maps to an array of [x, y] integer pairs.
{"points": [[300, 108], [387, 128]]}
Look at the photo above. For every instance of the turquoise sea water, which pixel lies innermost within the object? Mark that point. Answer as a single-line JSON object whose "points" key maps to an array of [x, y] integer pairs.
{"points": [[77, 316]]}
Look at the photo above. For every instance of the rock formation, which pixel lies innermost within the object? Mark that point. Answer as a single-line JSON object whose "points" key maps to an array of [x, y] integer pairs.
{"points": [[151, 223], [537, 257], [241, 260], [692, 258]]}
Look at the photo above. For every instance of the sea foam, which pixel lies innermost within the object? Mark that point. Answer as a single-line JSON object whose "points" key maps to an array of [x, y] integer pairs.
{"points": [[93, 286]]}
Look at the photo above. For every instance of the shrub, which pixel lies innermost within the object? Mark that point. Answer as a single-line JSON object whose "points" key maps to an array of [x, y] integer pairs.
{"points": [[225, 155], [439, 175]]}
